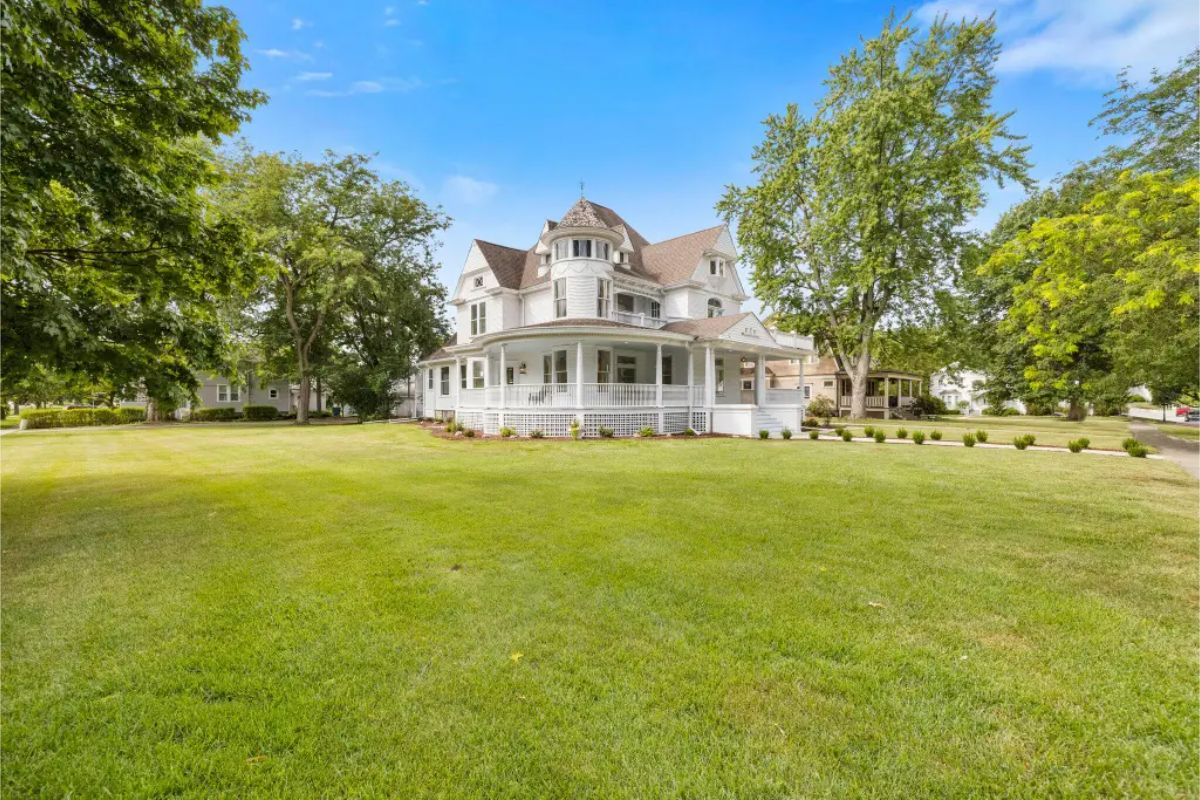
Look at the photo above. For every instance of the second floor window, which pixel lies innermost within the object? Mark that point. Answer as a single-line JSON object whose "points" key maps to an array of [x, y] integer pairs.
{"points": [[655, 310], [560, 249], [478, 318], [602, 248], [603, 298], [716, 266], [478, 282], [560, 297], [715, 308], [581, 248]]}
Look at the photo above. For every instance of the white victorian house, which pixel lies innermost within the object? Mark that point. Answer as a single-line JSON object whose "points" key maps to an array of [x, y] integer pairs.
{"points": [[596, 324]]}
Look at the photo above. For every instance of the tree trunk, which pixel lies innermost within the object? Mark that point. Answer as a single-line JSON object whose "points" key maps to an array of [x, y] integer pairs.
{"points": [[151, 411], [319, 394], [858, 386], [302, 398], [1077, 411]]}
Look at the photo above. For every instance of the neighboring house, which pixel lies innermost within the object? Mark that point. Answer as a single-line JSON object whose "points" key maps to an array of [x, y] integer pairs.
{"points": [[406, 396], [217, 391], [963, 390], [596, 324], [889, 392]]}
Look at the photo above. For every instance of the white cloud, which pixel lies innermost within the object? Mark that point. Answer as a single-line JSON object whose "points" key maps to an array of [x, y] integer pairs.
{"points": [[391, 23], [389, 11], [300, 24], [371, 87], [292, 55], [461, 189], [1086, 40], [314, 76]]}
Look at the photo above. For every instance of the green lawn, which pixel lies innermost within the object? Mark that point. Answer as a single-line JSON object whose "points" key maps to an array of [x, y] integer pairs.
{"points": [[1105, 433], [369, 611], [1188, 432]]}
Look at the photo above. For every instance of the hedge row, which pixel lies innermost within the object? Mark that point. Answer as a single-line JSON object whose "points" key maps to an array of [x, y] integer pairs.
{"points": [[76, 417], [252, 413]]}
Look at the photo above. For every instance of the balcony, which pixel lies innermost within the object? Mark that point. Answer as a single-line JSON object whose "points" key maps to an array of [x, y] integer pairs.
{"points": [[641, 320]]}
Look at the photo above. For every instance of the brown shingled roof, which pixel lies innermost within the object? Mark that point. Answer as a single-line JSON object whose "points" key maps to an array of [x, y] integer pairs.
{"points": [[507, 263], [675, 259], [583, 215], [707, 327]]}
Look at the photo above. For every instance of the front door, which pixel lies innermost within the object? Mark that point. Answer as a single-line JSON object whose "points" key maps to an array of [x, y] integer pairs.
{"points": [[626, 369]]}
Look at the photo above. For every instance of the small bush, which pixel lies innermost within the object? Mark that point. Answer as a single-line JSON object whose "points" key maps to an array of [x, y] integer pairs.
{"points": [[763, 434], [968, 440], [105, 416], [41, 418], [605, 433], [902, 433], [452, 427], [935, 435], [1074, 446], [1125, 445], [981, 436], [918, 437], [213, 414], [688, 432], [646, 432], [812, 422], [1000, 411], [1084, 442], [537, 433], [846, 435], [260, 413], [507, 432], [469, 433], [879, 435], [814, 434], [838, 429], [576, 431], [1029, 437], [1021, 442], [129, 415], [1138, 450], [786, 433], [869, 431], [821, 406]]}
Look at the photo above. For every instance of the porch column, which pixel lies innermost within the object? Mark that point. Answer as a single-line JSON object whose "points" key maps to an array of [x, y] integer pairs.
{"points": [[579, 374], [887, 411], [691, 379], [658, 385], [760, 380], [487, 374], [454, 379], [710, 384], [503, 372]]}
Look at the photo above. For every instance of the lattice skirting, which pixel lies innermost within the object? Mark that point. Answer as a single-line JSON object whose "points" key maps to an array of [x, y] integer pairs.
{"points": [[623, 423], [525, 423], [700, 421]]}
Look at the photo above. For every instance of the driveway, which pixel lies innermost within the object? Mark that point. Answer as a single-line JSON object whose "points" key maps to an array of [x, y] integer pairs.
{"points": [[1185, 454]]}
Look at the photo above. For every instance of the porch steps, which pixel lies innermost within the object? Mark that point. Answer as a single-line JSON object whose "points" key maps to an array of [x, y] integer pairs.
{"points": [[764, 420]]}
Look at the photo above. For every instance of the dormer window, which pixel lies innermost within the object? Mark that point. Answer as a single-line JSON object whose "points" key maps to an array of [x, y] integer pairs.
{"points": [[622, 257], [478, 319], [716, 266], [715, 309], [478, 282]]}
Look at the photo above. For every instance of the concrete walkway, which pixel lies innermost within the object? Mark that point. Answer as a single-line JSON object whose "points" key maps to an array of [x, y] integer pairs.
{"points": [[1185, 454]]}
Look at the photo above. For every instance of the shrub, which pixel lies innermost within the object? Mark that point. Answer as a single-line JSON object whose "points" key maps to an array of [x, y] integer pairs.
{"points": [[763, 434], [1000, 411], [646, 432], [576, 431], [507, 432], [260, 413], [811, 422], [902, 433], [688, 432], [213, 414], [928, 405], [846, 435], [869, 431], [42, 418], [1125, 445], [879, 435], [605, 433], [968, 440], [786, 433], [1074, 446], [452, 427], [1037, 408], [918, 437], [469, 433], [814, 434], [1029, 437], [1138, 450], [129, 415], [1021, 442], [821, 406], [537, 433], [981, 436], [935, 435], [1084, 442], [106, 416], [838, 429]]}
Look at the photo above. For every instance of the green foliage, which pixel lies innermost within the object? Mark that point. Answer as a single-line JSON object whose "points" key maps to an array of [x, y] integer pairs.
{"points": [[576, 431], [878, 436], [80, 417], [1125, 445], [786, 433], [868, 430], [928, 406], [918, 437], [128, 414], [763, 434], [1137, 451], [688, 432], [846, 435], [537, 433], [1000, 411], [1084, 442], [968, 440], [981, 435], [213, 415], [507, 432], [902, 433], [859, 208], [811, 422], [935, 435], [260, 413], [1074, 446], [469, 433], [646, 432], [814, 434], [605, 432], [1021, 442], [821, 406], [113, 252]]}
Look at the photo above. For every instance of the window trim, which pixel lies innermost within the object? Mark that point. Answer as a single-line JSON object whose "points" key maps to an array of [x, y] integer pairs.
{"points": [[606, 351], [715, 303], [559, 290], [232, 392], [478, 376], [604, 292], [444, 382], [273, 394], [477, 282], [479, 318]]}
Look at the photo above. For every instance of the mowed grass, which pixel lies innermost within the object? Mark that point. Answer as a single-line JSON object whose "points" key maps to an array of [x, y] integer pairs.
{"points": [[1104, 433], [369, 611]]}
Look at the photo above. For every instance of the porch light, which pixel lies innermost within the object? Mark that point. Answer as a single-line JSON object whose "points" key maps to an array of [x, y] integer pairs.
{"points": [[521, 369]]}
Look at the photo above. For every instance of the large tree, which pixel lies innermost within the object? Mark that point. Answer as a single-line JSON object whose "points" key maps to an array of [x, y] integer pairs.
{"points": [[113, 257], [347, 266], [858, 209]]}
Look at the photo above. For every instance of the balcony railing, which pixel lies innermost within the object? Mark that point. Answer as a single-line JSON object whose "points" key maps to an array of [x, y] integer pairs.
{"points": [[641, 320]]}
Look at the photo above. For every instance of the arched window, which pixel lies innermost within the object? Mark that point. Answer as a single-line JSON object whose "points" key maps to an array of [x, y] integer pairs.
{"points": [[714, 307]]}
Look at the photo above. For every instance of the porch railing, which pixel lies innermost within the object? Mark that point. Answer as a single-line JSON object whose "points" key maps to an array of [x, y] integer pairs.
{"points": [[642, 320], [539, 395], [785, 397]]}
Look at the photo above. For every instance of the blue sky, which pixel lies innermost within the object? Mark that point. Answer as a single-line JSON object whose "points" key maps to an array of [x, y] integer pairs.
{"points": [[496, 111]]}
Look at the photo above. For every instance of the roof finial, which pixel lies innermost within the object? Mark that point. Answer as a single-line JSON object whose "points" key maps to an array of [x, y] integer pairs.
{"points": [[581, 190]]}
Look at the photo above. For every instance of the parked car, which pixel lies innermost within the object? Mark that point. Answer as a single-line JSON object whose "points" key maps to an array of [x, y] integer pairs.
{"points": [[1183, 411], [1193, 415]]}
